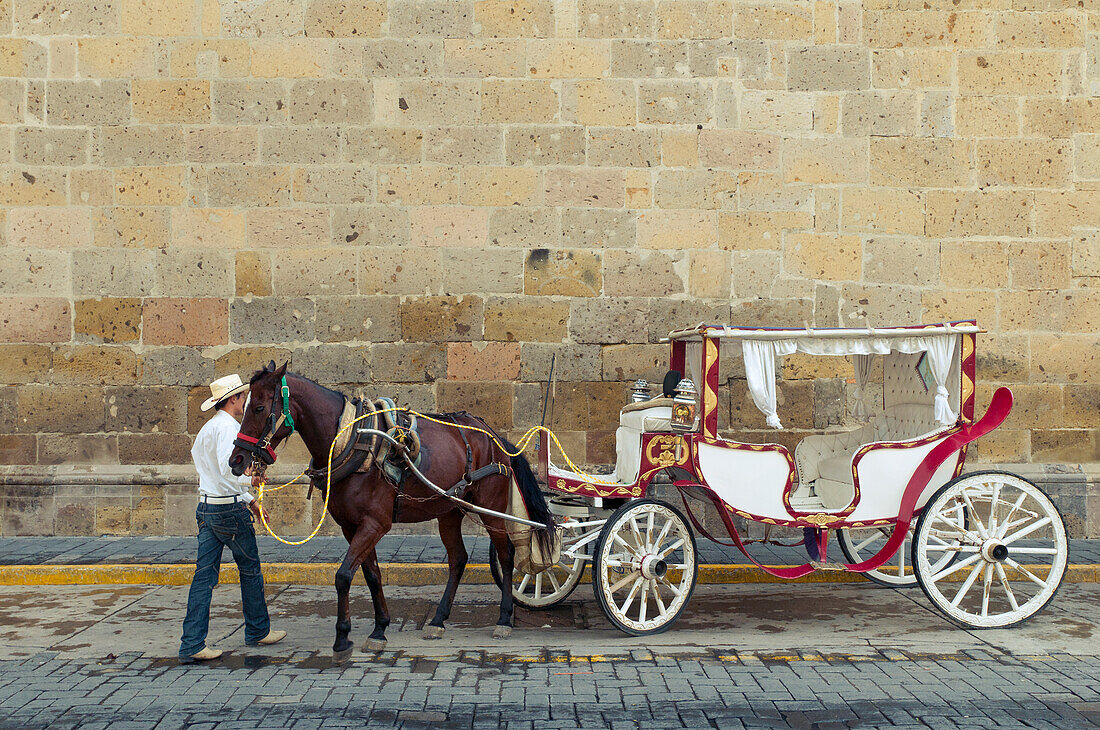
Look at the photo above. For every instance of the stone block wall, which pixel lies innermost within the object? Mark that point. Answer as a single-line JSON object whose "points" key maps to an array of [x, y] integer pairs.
{"points": [[429, 198]]}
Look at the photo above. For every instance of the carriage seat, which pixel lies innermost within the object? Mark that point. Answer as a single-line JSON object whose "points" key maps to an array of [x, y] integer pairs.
{"points": [[651, 415], [826, 460]]}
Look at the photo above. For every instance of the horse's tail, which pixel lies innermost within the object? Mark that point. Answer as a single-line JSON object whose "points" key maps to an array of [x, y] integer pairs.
{"points": [[537, 508]]}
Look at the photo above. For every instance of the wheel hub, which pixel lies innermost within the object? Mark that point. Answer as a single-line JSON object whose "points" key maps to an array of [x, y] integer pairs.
{"points": [[653, 567], [994, 551]]}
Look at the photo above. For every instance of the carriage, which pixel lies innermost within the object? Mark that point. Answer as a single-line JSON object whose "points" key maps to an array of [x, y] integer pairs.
{"points": [[988, 548]]}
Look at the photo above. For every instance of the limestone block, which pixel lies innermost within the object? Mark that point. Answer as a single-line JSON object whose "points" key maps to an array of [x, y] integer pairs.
{"points": [[287, 227], [43, 146], [139, 145], [91, 187], [402, 57], [1024, 162], [24, 363], [482, 361], [1046, 117], [567, 272], [695, 19], [499, 186], [83, 103], [986, 116], [709, 274], [431, 18], [41, 17], [418, 185], [885, 210], [18, 450], [194, 272], [442, 319], [825, 160], [254, 101], [828, 68], [881, 113], [157, 17], [252, 273], [388, 271], [481, 271], [649, 273], [701, 189], [526, 319], [583, 187], [159, 102], [1034, 73], [554, 145], [623, 147], [571, 363], [517, 101], [375, 225], [314, 271], [147, 409], [288, 58], [926, 162], [749, 59], [908, 261], [1039, 264], [334, 184], [116, 272], [1058, 213], [609, 321], [107, 319], [674, 229], [774, 21], [52, 227], [979, 213], [312, 146], [330, 101], [625, 363], [1039, 30], [446, 226], [974, 264], [13, 101], [334, 364], [1064, 445], [666, 315], [614, 19], [153, 448], [243, 361], [419, 102], [1063, 358], [58, 409], [1082, 405], [181, 321], [264, 320], [777, 111], [760, 191], [1006, 358], [911, 68], [223, 58], [220, 228], [675, 102], [478, 58], [151, 185], [1086, 254], [34, 319], [347, 318], [490, 401], [879, 305], [679, 148], [753, 274], [383, 145], [81, 449], [635, 59], [736, 149], [568, 59], [819, 256], [514, 18], [1086, 156], [924, 28], [409, 363], [598, 228], [464, 145], [344, 19], [175, 366], [34, 272]]}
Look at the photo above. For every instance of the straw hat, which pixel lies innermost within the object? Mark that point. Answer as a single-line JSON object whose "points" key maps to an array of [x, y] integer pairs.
{"points": [[223, 388]]}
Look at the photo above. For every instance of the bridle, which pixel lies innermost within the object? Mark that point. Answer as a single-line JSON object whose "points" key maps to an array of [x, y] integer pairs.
{"points": [[260, 447]]}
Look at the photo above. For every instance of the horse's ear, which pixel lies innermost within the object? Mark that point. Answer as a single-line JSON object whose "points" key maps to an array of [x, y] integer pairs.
{"points": [[270, 367], [282, 369]]}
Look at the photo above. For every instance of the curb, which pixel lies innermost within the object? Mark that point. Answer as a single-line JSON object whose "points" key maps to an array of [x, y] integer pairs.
{"points": [[394, 574]]}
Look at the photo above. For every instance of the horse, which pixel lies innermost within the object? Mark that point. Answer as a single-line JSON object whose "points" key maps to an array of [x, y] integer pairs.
{"points": [[363, 503]]}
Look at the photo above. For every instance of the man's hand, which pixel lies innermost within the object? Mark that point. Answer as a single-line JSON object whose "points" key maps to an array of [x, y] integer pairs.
{"points": [[257, 480], [258, 511]]}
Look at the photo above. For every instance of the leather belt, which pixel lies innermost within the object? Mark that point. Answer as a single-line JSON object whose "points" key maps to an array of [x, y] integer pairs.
{"points": [[220, 500]]}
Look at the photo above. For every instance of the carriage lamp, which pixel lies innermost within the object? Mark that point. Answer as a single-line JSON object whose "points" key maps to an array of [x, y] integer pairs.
{"points": [[684, 406], [640, 391]]}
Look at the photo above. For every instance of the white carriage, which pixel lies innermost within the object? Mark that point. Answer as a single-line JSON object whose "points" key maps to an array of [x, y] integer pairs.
{"points": [[988, 548]]}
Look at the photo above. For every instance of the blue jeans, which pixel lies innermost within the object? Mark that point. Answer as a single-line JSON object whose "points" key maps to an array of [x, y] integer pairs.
{"points": [[220, 525]]}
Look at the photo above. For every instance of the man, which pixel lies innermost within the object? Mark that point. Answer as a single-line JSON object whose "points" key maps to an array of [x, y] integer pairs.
{"points": [[223, 517]]}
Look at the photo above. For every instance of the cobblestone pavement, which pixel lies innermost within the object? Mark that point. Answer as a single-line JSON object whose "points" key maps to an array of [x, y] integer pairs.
{"points": [[804, 656], [392, 548]]}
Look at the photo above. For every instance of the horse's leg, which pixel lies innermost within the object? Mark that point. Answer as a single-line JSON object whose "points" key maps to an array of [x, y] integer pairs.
{"points": [[505, 554], [371, 571], [450, 531], [361, 544]]}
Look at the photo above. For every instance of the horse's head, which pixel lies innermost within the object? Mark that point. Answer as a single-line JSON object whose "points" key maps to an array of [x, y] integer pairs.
{"points": [[264, 424]]}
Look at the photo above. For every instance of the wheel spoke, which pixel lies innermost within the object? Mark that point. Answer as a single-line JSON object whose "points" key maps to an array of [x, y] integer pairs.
{"points": [[670, 548], [649, 532], [630, 596], [987, 580], [657, 596], [632, 550], [1035, 550], [948, 548], [640, 541], [538, 586], [643, 601], [662, 535], [866, 542], [1027, 530], [1034, 578], [901, 562], [523, 583], [1008, 592], [623, 581], [965, 588], [955, 568], [675, 589], [977, 518], [553, 580], [993, 510], [1005, 526]]}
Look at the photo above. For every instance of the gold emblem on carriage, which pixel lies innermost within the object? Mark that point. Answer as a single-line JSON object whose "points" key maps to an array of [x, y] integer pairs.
{"points": [[821, 519], [666, 451]]}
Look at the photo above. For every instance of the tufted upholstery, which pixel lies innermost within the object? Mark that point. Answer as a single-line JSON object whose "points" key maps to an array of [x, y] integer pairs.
{"points": [[652, 415], [826, 460]]}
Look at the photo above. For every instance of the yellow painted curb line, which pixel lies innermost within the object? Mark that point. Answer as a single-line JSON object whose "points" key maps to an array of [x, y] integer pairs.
{"points": [[394, 574]]}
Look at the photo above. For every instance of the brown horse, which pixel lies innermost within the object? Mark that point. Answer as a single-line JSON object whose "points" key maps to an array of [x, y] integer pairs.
{"points": [[363, 504]]}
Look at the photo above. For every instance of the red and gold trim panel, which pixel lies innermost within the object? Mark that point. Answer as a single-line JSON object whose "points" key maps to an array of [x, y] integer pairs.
{"points": [[710, 388]]}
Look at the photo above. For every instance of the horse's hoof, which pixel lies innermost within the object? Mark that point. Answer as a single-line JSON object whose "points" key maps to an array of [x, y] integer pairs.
{"points": [[342, 657], [432, 632], [502, 632], [374, 645]]}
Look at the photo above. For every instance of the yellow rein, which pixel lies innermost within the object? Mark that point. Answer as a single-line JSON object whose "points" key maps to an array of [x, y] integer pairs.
{"points": [[530, 434]]}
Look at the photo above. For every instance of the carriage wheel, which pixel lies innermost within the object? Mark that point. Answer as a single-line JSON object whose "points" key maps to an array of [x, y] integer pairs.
{"points": [[551, 586], [861, 543], [645, 567], [1011, 555]]}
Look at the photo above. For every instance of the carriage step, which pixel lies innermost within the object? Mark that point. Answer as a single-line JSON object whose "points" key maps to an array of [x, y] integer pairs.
{"points": [[828, 566]]}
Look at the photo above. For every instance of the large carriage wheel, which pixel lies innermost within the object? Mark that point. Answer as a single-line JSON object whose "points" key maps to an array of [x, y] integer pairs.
{"points": [[551, 586], [1011, 555], [644, 567], [861, 543]]}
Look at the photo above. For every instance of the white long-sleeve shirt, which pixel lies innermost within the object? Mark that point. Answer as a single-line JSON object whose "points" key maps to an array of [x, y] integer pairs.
{"points": [[211, 451]]}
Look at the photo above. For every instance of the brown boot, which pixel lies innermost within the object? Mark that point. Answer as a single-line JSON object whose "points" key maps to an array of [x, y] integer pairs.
{"points": [[203, 655]]}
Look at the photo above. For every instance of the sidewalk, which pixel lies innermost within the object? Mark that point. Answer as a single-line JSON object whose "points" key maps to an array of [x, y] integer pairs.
{"points": [[406, 560]]}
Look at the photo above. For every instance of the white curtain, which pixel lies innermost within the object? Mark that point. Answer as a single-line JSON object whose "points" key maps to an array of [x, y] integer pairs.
{"points": [[863, 374], [940, 351], [760, 375]]}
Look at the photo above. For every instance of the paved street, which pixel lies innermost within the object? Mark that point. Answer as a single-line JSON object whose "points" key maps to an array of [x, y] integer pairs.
{"points": [[840, 655]]}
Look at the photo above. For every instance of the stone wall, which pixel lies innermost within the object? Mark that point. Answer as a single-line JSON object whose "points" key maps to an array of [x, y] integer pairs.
{"points": [[429, 198]]}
